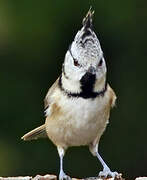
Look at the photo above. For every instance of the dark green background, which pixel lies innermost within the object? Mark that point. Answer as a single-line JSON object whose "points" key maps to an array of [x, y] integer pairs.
{"points": [[34, 37]]}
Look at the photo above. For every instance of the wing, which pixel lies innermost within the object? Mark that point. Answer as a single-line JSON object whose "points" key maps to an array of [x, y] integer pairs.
{"points": [[48, 100], [112, 96]]}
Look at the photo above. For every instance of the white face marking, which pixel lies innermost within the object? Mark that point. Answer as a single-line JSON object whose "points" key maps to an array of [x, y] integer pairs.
{"points": [[84, 53]]}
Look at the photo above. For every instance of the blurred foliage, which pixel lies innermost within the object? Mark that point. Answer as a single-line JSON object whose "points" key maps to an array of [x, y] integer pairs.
{"points": [[34, 37]]}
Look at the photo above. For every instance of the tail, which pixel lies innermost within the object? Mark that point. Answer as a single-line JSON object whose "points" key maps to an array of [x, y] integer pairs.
{"points": [[39, 132]]}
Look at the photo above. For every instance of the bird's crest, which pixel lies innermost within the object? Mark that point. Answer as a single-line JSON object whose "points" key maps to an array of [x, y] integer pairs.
{"points": [[87, 20]]}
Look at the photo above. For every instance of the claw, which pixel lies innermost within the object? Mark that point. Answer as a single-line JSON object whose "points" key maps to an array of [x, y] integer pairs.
{"points": [[108, 173], [63, 176]]}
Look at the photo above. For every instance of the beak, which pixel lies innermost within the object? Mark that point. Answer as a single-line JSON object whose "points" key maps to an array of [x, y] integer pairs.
{"points": [[91, 70]]}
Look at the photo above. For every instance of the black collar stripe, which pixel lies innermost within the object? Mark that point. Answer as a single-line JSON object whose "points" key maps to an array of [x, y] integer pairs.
{"points": [[83, 94]]}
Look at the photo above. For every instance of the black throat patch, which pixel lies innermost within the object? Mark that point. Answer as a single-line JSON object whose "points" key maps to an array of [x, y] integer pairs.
{"points": [[87, 85]]}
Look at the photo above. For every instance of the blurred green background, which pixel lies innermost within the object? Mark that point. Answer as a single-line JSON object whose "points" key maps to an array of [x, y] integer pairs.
{"points": [[34, 37]]}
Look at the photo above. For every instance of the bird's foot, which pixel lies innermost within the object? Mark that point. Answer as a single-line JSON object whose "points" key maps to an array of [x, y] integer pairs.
{"points": [[63, 176], [108, 173]]}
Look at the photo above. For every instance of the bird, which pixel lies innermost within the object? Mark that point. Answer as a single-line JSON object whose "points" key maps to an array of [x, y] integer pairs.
{"points": [[78, 104]]}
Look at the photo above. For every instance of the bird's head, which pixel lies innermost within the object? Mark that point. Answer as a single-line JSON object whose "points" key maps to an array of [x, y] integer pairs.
{"points": [[84, 59]]}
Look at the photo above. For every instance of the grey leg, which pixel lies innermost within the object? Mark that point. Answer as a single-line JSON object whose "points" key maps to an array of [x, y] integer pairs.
{"points": [[62, 175], [106, 170]]}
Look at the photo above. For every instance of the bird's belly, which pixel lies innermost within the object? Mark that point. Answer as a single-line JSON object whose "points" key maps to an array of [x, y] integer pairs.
{"points": [[78, 125], [83, 131]]}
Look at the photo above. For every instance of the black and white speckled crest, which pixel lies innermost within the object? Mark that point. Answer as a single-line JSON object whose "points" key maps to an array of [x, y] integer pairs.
{"points": [[86, 44]]}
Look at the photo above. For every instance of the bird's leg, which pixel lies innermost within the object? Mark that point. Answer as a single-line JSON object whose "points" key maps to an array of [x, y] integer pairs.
{"points": [[106, 170], [62, 175]]}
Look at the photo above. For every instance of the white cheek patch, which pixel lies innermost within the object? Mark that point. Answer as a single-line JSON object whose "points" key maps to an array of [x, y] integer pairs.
{"points": [[70, 85]]}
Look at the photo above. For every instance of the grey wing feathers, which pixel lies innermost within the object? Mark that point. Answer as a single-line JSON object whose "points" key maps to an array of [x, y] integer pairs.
{"points": [[39, 132]]}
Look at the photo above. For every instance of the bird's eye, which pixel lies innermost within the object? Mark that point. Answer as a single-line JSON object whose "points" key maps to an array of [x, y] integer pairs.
{"points": [[100, 63], [76, 63]]}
